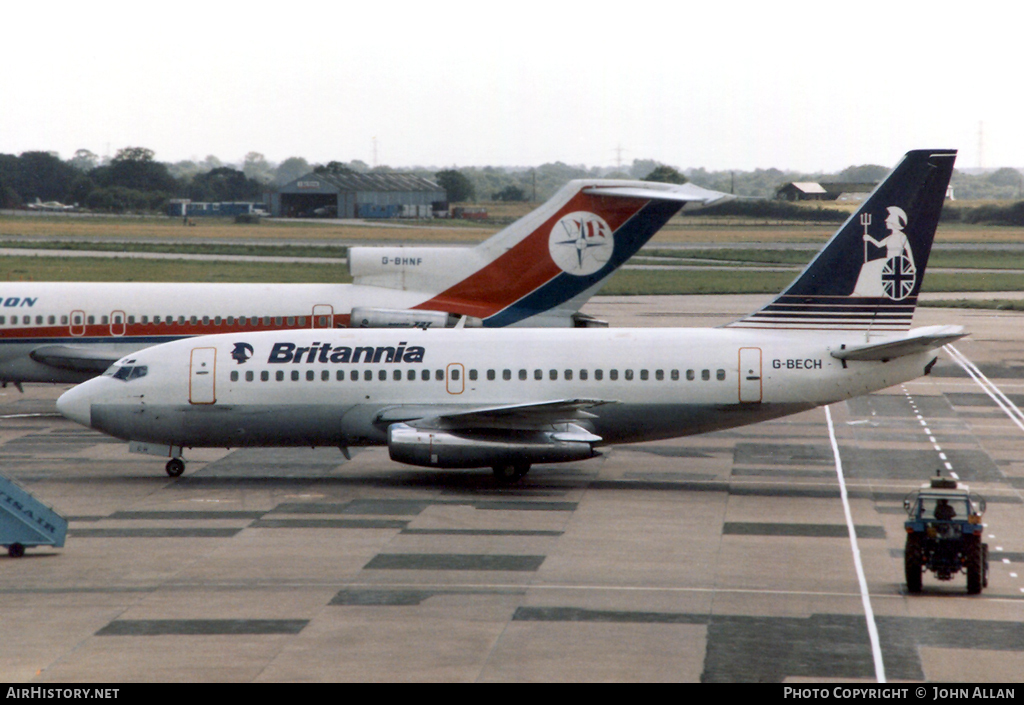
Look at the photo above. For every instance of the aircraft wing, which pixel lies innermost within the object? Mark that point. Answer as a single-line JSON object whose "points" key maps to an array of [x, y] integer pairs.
{"points": [[513, 417], [74, 357], [917, 341], [683, 193]]}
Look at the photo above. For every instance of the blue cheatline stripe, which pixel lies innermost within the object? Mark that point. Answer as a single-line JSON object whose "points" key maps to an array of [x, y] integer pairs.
{"points": [[629, 238]]}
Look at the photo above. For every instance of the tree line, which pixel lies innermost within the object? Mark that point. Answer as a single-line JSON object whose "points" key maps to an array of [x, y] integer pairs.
{"points": [[134, 181]]}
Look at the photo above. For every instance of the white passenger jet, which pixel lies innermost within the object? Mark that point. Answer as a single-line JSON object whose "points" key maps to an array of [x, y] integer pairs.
{"points": [[453, 398], [536, 272]]}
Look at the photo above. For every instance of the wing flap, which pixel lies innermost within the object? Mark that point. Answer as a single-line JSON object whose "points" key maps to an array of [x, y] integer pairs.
{"points": [[528, 416], [920, 340]]}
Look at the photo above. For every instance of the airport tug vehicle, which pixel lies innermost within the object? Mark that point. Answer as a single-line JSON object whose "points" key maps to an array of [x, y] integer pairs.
{"points": [[944, 534]]}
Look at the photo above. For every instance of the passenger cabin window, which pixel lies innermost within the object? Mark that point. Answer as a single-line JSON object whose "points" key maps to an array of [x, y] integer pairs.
{"points": [[720, 375]]}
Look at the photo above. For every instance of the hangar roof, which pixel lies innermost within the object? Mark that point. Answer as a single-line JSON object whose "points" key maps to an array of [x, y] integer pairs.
{"points": [[354, 181]]}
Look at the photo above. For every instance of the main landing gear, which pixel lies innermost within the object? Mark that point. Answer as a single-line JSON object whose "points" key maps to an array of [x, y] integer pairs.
{"points": [[510, 473], [175, 466]]}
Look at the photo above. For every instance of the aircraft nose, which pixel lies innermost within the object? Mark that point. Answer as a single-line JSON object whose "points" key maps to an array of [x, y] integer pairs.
{"points": [[76, 404]]}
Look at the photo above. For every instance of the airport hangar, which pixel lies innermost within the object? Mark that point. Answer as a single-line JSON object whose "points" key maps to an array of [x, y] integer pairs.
{"points": [[355, 195]]}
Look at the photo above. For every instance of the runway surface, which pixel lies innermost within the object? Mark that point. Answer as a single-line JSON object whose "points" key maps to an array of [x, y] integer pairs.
{"points": [[724, 557]]}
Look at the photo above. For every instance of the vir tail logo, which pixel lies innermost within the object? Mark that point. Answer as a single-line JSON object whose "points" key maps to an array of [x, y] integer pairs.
{"points": [[581, 243], [888, 270]]}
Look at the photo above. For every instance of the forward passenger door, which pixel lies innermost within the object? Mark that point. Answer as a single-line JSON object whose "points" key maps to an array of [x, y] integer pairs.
{"points": [[202, 376]]}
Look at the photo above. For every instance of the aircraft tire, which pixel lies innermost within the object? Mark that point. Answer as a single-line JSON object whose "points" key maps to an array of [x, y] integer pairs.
{"points": [[16, 550], [510, 473], [175, 467]]}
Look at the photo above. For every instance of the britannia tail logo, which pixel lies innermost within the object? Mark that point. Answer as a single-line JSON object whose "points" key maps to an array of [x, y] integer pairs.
{"points": [[581, 243], [892, 273], [241, 353]]}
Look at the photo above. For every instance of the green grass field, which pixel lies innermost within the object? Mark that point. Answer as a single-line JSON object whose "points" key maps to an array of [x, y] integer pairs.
{"points": [[276, 238]]}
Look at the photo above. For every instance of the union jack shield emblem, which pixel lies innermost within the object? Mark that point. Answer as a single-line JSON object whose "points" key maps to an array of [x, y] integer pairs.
{"points": [[898, 277]]}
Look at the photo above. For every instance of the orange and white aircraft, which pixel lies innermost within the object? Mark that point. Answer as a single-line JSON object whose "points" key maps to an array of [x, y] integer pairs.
{"points": [[537, 272]]}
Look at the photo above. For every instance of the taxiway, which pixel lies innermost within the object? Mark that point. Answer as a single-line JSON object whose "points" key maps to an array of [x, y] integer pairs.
{"points": [[724, 557]]}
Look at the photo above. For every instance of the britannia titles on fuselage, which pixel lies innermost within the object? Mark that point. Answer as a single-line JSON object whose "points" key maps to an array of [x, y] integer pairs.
{"points": [[327, 353]]}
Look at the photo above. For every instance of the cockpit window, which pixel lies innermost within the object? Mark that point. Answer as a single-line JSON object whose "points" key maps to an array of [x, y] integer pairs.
{"points": [[127, 372]]}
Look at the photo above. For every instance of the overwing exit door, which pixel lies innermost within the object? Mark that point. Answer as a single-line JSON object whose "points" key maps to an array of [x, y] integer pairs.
{"points": [[751, 389], [202, 374]]}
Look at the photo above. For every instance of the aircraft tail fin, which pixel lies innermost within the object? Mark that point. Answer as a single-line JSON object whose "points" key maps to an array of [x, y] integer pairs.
{"points": [[540, 269], [867, 277]]}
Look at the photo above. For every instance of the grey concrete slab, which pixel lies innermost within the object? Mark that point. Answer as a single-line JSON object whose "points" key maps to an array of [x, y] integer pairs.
{"points": [[723, 557]]}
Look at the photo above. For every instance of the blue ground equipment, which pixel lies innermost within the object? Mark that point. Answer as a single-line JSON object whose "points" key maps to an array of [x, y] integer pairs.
{"points": [[944, 534], [25, 521]]}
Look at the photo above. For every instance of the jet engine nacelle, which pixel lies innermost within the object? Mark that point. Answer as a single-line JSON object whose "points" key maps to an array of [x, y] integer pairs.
{"points": [[367, 317], [443, 449], [411, 268]]}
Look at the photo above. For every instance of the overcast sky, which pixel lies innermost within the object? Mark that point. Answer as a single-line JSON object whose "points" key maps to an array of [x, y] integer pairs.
{"points": [[810, 86]]}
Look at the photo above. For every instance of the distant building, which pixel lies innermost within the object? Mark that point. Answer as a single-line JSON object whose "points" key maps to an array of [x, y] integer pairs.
{"points": [[848, 190], [826, 191], [357, 195], [178, 207], [801, 191]]}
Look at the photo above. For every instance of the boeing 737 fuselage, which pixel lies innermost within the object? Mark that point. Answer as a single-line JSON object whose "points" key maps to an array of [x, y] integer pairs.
{"points": [[510, 398]]}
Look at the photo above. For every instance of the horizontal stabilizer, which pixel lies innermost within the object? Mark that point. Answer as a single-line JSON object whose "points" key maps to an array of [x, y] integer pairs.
{"points": [[679, 193], [508, 416], [920, 340], [73, 357]]}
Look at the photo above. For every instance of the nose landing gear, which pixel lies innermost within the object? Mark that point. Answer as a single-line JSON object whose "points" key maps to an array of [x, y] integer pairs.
{"points": [[175, 466]]}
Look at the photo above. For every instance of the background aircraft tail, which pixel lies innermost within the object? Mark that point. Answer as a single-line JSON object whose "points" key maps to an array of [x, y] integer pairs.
{"points": [[869, 274], [540, 269]]}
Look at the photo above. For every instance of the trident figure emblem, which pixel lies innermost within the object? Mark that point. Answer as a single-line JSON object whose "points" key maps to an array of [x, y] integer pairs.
{"points": [[893, 275]]}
